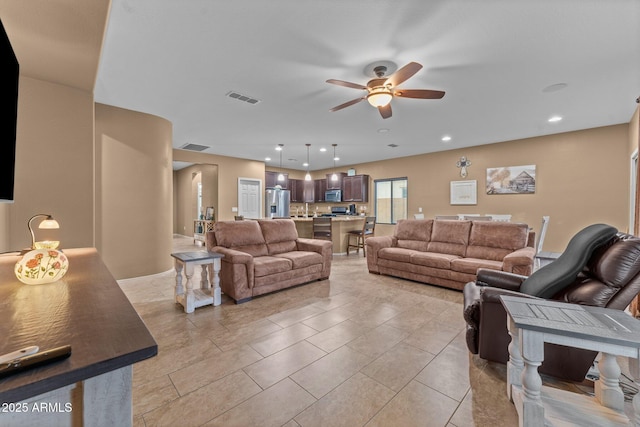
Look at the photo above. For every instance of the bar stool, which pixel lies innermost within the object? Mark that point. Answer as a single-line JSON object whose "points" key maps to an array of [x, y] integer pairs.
{"points": [[368, 230]]}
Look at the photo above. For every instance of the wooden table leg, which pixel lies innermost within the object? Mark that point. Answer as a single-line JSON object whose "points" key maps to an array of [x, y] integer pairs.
{"points": [[515, 365], [532, 350], [189, 299], [215, 278], [607, 387], [179, 290]]}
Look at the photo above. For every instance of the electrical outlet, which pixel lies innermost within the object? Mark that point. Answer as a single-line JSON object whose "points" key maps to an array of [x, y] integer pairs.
{"points": [[420, 210], [234, 209]]}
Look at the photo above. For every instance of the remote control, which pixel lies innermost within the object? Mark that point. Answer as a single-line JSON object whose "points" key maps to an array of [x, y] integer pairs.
{"points": [[27, 351], [40, 358]]}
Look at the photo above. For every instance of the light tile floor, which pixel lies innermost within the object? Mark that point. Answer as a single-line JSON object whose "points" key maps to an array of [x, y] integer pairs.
{"points": [[357, 349]]}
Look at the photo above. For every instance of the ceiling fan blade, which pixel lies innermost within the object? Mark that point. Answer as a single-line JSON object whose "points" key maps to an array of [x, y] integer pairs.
{"points": [[346, 84], [403, 74], [348, 104], [419, 93], [385, 111]]}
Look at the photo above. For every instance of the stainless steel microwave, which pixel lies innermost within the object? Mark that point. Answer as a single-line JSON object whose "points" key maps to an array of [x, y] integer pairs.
{"points": [[333, 196]]}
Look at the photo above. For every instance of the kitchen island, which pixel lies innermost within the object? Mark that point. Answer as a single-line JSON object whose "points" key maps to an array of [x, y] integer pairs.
{"points": [[340, 227]]}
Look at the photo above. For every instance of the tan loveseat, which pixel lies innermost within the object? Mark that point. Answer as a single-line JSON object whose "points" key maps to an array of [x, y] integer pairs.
{"points": [[449, 252], [266, 255]]}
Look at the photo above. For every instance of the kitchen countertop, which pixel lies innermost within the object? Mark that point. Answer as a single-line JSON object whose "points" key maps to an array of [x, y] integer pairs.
{"points": [[333, 218]]}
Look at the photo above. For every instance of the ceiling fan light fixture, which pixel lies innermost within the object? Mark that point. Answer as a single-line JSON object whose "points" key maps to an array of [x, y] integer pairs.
{"points": [[379, 97]]}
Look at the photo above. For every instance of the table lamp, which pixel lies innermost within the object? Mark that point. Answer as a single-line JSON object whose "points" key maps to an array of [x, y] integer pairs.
{"points": [[48, 223]]}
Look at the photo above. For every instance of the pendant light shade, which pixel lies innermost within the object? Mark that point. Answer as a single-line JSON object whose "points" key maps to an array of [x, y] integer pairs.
{"points": [[307, 177], [280, 175], [334, 177]]}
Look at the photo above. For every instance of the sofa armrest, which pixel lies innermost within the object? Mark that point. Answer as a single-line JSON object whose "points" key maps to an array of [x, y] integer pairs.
{"points": [[237, 267], [519, 261], [500, 279], [373, 245], [323, 247]]}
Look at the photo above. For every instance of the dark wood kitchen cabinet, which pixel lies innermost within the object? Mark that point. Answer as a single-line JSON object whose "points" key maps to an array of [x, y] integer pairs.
{"points": [[355, 188], [335, 185], [271, 180], [320, 186], [301, 191]]}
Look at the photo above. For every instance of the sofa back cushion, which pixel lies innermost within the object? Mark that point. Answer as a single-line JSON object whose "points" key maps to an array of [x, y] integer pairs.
{"points": [[280, 235], [495, 240], [412, 234], [449, 237], [553, 278], [617, 264], [245, 236]]}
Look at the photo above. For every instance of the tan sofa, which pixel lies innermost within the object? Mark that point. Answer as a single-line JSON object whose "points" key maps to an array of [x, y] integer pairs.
{"points": [[450, 252], [266, 255]]}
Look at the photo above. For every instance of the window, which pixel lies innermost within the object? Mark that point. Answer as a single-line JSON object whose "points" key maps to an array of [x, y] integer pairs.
{"points": [[391, 200]]}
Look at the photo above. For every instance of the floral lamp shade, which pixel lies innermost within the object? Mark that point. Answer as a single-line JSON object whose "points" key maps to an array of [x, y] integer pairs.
{"points": [[41, 266]]}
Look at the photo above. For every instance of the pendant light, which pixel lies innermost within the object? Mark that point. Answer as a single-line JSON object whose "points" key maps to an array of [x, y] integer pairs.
{"points": [[307, 177], [280, 175], [334, 177]]}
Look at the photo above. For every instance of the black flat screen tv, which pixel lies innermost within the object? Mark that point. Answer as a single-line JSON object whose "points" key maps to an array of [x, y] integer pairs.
{"points": [[8, 116]]}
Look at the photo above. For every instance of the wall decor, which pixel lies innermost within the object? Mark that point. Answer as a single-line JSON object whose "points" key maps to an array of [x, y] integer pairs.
{"points": [[210, 214], [464, 192], [511, 180], [463, 164]]}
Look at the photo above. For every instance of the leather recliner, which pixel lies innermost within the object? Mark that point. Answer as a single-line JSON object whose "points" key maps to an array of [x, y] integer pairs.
{"points": [[600, 267]]}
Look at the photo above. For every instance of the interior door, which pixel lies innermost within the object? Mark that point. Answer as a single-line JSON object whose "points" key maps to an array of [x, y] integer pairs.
{"points": [[249, 197]]}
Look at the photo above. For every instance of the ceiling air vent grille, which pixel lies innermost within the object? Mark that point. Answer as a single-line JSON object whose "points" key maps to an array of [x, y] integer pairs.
{"points": [[241, 97], [194, 147], [392, 145]]}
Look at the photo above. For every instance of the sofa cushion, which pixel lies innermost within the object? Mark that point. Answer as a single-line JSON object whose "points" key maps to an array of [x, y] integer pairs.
{"points": [[471, 265], [431, 259], [449, 237], [495, 240], [413, 234], [301, 259], [396, 254], [267, 265], [617, 264], [279, 234], [245, 236]]}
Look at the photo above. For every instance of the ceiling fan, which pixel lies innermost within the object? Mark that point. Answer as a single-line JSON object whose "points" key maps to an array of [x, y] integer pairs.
{"points": [[382, 89]]}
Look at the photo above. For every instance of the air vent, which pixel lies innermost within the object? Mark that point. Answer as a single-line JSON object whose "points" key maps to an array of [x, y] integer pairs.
{"points": [[241, 97], [194, 147], [392, 145]]}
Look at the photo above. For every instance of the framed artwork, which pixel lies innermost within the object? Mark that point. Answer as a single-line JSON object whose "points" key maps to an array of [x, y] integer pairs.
{"points": [[209, 214], [511, 180], [464, 192]]}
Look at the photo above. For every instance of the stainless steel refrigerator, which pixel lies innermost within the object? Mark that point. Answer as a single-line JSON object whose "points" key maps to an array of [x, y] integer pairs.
{"points": [[277, 203]]}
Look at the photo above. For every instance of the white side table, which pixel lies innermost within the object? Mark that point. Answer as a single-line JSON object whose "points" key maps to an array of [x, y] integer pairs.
{"points": [[209, 291], [531, 323]]}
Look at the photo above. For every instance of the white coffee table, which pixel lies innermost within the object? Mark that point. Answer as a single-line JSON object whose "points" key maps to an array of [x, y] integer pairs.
{"points": [[209, 291], [531, 323]]}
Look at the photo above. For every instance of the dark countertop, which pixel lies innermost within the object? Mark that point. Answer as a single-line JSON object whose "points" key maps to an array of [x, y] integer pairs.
{"points": [[86, 309]]}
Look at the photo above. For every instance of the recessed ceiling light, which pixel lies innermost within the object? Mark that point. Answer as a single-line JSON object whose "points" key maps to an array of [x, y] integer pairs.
{"points": [[555, 119], [383, 130], [279, 147], [446, 138], [305, 164], [323, 149], [267, 159], [555, 87]]}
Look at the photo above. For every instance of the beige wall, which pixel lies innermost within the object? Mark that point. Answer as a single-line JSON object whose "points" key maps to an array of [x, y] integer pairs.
{"points": [[582, 178], [54, 164], [134, 191], [229, 170], [185, 183]]}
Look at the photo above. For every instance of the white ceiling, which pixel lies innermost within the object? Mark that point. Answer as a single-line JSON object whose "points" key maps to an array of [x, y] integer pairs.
{"points": [[179, 59]]}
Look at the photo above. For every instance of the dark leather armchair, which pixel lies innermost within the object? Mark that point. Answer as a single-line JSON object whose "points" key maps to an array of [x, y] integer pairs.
{"points": [[600, 267]]}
